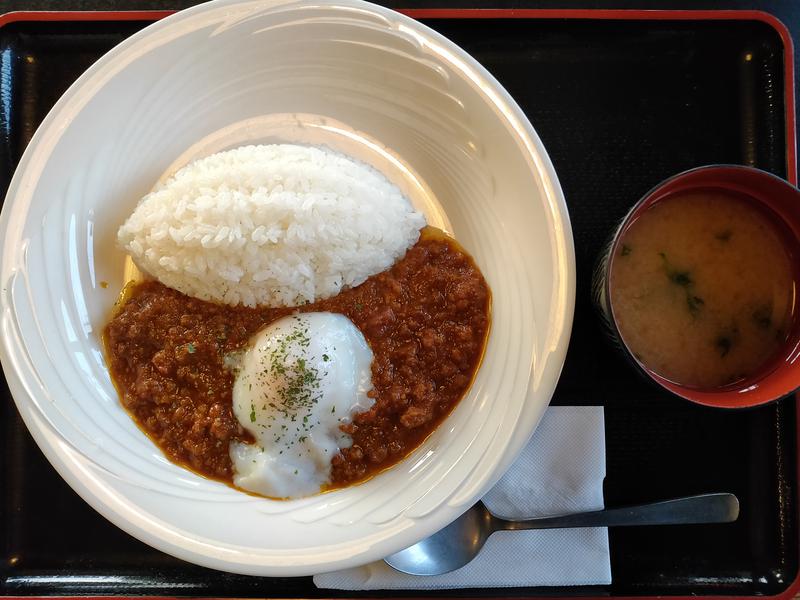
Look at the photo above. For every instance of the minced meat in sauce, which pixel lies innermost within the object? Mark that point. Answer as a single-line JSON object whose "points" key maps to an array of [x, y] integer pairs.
{"points": [[426, 320]]}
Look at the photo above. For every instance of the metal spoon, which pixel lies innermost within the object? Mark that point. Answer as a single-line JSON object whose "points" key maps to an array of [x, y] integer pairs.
{"points": [[457, 544]]}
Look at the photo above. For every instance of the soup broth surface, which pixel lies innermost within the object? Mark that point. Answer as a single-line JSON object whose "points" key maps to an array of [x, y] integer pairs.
{"points": [[702, 289]]}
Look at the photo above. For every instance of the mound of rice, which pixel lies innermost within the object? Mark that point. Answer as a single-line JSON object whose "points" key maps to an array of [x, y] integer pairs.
{"points": [[276, 225]]}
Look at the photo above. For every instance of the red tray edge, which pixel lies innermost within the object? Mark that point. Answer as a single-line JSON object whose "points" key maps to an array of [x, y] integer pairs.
{"points": [[793, 591], [534, 13]]}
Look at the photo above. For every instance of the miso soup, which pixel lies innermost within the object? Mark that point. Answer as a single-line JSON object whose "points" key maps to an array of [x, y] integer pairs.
{"points": [[702, 289]]}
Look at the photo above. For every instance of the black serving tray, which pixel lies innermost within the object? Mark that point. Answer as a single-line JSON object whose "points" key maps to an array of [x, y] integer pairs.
{"points": [[621, 100]]}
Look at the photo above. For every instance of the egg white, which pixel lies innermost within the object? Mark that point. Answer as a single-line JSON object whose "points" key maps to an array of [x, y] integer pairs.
{"points": [[299, 380]]}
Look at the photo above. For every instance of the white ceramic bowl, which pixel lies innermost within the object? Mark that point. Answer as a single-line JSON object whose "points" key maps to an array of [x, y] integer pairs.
{"points": [[359, 78]]}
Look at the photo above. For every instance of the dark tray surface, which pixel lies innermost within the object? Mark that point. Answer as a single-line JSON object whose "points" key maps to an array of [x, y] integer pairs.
{"points": [[619, 106]]}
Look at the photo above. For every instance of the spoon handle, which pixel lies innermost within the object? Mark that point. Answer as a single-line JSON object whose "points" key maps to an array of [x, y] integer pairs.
{"points": [[706, 508]]}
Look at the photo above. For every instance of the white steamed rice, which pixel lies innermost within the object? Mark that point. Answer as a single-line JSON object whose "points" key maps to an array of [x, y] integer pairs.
{"points": [[276, 225]]}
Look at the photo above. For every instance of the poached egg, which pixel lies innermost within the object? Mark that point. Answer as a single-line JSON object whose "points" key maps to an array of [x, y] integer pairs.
{"points": [[299, 380]]}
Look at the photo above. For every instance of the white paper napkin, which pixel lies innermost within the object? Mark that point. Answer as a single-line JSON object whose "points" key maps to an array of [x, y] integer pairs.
{"points": [[561, 470]]}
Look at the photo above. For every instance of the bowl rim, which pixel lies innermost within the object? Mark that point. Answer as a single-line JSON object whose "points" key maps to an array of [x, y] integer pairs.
{"points": [[113, 506]]}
